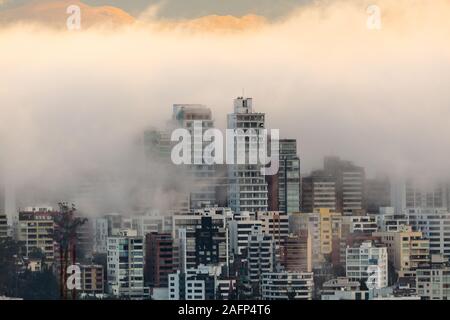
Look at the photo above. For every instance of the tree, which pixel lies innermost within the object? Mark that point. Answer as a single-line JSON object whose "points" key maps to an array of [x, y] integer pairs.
{"points": [[9, 258], [65, 236]]}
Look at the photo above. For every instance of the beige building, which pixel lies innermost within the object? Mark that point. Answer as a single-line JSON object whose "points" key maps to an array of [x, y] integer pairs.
{"points": [[406, 249], [324, 227], [296, 254], [36, 229]]}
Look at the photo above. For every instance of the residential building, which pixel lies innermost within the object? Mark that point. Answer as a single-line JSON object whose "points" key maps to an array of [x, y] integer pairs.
{"points": [[343, 288], [433, 279], [260, 255], [125, 260], [390, 221], [92, 280], [287, 285], [159, 259], [197, 119], [406, 249], [247, 186], [434, 223], [35, 231], [325, 229], [241, 227], [369, 264], [194, 284], [274, 223], [296, 253]]}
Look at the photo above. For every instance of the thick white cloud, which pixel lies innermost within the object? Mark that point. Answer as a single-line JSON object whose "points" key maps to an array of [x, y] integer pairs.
{"points": [[73, 102]]}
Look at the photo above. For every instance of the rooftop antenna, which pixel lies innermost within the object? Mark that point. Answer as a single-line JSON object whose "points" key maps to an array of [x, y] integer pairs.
{"points": [[243, 93]]}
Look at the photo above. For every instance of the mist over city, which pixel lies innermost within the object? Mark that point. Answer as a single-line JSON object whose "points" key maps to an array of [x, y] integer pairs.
{"points": [[82, 109]]}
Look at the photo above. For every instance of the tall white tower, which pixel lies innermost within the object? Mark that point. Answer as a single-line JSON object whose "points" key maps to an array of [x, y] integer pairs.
{"points": [[247, 186]]}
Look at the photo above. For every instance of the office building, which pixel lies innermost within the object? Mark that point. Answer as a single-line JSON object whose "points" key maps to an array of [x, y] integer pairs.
{"points": [[288, 177]]}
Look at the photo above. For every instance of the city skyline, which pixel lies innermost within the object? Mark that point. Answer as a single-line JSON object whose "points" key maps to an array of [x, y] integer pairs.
{"points": [[225, 150]]}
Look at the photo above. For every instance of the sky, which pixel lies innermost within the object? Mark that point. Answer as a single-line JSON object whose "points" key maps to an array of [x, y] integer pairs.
{"points": [[73, 103], [195, 8]]}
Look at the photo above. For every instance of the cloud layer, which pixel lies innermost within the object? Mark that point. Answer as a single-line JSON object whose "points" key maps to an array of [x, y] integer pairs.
{"points": [[73, 103]]}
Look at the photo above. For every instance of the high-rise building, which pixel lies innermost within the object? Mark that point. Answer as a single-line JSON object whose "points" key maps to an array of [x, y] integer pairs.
{"points": [[287, 285], [200, 239], [35, 231], [197, 119], [350, 185], [211, 243], [101, 235], [288, 177], [260, 255], [296, 253], [406, 250], [125, 260], [318, 191], [242, 225], [367, 260], [159, 260], [247, 186], [378, 194], [435, 225]]}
